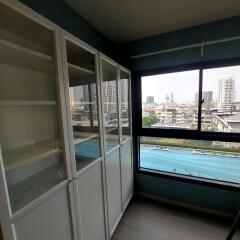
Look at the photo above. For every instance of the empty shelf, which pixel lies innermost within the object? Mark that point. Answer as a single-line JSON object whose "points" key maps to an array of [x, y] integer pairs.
{"points": [[21, 157], [25, 162], [17, 55], [76, 71], [84, 138], [80, 76]]}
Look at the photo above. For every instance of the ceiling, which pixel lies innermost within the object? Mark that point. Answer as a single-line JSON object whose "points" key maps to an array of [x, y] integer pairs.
{"points": [[128, 20]]}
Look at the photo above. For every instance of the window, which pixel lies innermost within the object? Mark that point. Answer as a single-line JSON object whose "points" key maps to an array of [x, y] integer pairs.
{"points": [[197, 158], [221, 99], [190, 123], [168, 100]]}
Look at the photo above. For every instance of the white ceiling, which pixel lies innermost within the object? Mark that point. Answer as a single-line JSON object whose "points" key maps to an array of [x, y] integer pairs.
{"points": [[128, 20]]}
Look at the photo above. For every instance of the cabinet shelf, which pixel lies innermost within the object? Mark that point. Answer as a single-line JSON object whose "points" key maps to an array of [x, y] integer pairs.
{"points": [[17, 55], [28, 161], [15, 159], [80, 76], [9, 103], [77, 71], [84, 139]]}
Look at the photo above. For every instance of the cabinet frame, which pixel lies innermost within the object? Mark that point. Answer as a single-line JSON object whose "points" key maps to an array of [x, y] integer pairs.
{"points": [[8, 218], [120, 143], [65, 36], [123, 142]]}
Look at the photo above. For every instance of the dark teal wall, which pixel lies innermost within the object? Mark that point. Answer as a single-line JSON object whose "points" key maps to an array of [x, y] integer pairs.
{"points": [[64, 16], [201, 195], [205, 32]]}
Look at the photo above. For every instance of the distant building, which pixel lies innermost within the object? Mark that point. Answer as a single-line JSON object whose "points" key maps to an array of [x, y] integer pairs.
{"points": [[234, 122], [167, 116], [147, 112], [226, 122], [150, 99], [226, 93], [110, 96], [124, 94], [171, 98], [206, 95]]}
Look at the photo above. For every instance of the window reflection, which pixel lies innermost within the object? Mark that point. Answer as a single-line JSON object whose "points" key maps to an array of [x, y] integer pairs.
{"points": [[84, 105], [110, 105], [125, 101]]}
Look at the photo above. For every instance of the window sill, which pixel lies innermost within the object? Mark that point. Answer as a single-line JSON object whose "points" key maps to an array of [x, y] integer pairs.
{"points": [[191, 179]]}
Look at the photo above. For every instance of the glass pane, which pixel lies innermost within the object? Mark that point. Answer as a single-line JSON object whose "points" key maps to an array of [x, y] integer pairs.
{"points": [[221, 99], [30, 137], [110, 105], [169, 100], [125, 104], [203, 159], [84, 106]]}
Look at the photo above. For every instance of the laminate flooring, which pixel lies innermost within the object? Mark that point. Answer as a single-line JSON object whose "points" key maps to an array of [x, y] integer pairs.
{"points": [[150, 220]]}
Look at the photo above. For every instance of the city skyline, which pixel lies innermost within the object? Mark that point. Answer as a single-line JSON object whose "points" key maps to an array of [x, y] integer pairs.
{"points": [[159, 86]]}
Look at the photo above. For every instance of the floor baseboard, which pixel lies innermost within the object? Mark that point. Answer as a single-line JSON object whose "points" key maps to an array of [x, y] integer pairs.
{"points": [[172, 203]]}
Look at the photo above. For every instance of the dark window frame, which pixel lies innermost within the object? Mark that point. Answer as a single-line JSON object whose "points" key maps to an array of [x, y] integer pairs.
{"points": [[197, 134]]}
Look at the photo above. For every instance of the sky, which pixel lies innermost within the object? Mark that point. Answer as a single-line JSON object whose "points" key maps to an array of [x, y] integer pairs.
{"points": [[184, 85]]}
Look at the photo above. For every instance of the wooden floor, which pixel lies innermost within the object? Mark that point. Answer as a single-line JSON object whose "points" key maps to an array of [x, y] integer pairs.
{"points": [[148, 220]]}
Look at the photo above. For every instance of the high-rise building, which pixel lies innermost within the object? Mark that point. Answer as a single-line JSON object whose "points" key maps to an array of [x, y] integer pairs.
{"points": [[124, 94], [226, 93], [110, 96], [171, 97], [150, 99], [206, 95]]}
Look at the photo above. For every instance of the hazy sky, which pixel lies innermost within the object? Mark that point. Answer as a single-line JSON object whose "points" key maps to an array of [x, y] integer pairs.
{"points": [[184, 85]]}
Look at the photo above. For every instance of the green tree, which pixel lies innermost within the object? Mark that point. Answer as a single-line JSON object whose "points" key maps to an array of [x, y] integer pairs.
{"points": [[148, 121]]}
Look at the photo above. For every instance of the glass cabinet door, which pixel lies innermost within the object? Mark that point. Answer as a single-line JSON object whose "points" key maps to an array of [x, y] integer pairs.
{"points": [[83, 94], [110, 104], [125, 103], [30, 135]]}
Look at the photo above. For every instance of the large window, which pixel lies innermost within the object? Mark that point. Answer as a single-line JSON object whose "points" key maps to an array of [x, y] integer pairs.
{"points": [[190, 123]]}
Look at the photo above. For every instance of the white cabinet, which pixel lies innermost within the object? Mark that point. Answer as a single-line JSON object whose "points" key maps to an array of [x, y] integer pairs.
{"points": [[34, 169], [111, 135], [116, 105], [65, 133], [82, 92]]}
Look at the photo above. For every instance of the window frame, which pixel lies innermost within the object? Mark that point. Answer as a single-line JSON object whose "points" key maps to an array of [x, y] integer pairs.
{"points": [[195, 134]]}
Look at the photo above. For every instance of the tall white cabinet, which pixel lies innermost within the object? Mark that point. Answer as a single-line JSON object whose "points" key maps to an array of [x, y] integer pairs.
{"points": [[66, 167], [35, 170], [83, 97], [116, 102]]}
